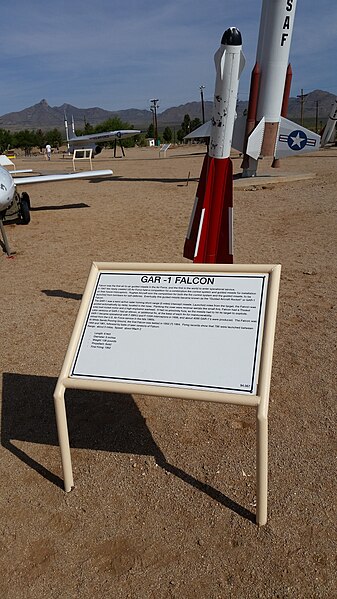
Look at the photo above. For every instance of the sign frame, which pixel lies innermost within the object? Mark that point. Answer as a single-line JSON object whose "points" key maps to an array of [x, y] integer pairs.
{"points": [[259, 401]]}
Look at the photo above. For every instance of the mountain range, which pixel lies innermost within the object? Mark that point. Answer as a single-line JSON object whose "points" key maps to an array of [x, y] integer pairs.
{"points": [[45, 117]]}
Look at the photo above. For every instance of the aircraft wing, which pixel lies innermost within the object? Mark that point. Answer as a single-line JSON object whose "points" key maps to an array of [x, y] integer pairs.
{"points": [[238, 132], [106, 136], [22, 170], [64, 177]]}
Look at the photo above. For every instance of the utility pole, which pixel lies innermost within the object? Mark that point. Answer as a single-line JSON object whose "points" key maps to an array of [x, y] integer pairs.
{"points": [[316, 128], [154, 106], [202, 87], [302, 97]]}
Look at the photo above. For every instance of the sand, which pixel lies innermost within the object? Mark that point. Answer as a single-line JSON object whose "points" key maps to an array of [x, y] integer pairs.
{"points": [[164, 497]]}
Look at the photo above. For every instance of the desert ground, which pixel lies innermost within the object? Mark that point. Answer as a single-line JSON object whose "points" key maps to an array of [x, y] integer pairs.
{"points": [[164, 497]]}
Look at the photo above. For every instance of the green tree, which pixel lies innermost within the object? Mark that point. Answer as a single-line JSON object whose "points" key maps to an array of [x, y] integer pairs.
{"points": [[23, 139], [39, 139], [54, 137], [88, 129], [167, 135], [186, 124], [180, 135], [112, 124], [150, 131], [185, 128], [195, 124], [5, 140], [141, 141]]}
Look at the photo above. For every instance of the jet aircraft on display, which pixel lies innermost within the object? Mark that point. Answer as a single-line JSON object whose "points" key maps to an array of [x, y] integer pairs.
{"points": [[94, 140], [15, 206]]}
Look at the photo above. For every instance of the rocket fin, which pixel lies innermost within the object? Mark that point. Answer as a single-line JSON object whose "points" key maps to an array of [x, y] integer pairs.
{"points": [[242, 63], [239, 133], [254, 143], [328, 135], [202, 131], [295, 139]]}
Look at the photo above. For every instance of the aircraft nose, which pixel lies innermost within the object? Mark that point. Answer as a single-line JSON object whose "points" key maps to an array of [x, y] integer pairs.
{"points": [[7, 190]]}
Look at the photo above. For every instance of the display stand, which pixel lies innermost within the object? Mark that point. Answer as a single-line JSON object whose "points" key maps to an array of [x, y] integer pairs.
{"points": [[197, 332]]}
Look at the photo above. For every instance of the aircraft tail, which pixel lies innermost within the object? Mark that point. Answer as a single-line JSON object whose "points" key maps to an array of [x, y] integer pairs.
{"points": [[73, 127], [66, 128], [69, 135]]}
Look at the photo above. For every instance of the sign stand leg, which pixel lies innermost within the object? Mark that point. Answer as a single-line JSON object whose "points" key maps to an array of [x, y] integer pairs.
{"points": [[261, 469], [62, 431]]}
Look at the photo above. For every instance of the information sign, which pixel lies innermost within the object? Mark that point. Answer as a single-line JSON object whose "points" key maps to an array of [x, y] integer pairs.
{"points": [[201, 331], [188, 330]]}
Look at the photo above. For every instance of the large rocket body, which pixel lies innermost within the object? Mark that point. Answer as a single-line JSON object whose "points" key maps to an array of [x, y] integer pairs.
{"points": [[265, 131], [228, 65], [276, 28]]}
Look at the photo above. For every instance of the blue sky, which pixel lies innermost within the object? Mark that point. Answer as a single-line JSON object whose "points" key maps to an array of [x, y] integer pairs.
{"points": [[118, 54]]}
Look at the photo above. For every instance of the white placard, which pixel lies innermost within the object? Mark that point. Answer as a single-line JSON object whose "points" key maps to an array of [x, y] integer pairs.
{"points": [[189, 330]]}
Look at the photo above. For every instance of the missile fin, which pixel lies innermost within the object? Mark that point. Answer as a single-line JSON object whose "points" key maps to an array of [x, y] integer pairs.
{"points": [[254, 143], [242, 63], [239, 133]]}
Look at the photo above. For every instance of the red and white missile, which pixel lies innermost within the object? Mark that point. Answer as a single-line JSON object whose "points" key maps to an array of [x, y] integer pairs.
{"points": [[209, 237]]}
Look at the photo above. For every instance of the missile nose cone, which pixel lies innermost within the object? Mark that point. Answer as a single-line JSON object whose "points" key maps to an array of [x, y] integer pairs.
{"points": [[231, 37]]}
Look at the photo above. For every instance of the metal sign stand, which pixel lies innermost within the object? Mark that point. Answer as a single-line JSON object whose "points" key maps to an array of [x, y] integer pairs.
{"points": [[257, 397]]}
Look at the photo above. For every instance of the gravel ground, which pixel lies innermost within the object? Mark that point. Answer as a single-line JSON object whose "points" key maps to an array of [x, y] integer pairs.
{"points": [[164, 497]]}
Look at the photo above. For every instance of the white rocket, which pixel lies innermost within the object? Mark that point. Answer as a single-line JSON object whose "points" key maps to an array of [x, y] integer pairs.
{"points": [[229, 63], [268, 133], [273, 134], [209, 237]]}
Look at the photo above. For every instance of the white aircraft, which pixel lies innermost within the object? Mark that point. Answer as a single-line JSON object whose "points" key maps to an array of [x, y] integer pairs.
{"points": [[5, 161], [93, 141], [16, 207]]}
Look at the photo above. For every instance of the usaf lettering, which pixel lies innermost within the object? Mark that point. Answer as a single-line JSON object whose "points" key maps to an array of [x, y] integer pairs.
{"points": [[286, 24]]}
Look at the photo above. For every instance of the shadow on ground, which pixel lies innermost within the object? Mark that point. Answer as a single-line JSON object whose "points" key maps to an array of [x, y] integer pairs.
{"points": [[100, 421], [60, 207], [62, 293]]}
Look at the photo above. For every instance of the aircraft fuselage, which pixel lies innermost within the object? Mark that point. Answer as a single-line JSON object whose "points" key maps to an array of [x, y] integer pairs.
{"points": [[7, 189]]}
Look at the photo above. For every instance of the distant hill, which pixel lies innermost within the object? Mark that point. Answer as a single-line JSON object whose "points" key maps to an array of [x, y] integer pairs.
{"points": [[42, 116], [45, 117]]}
